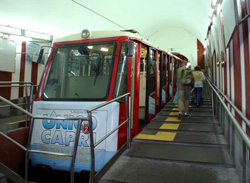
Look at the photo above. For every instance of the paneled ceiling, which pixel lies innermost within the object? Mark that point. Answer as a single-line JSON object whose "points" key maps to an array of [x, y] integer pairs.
{"points": [[64, 17]]}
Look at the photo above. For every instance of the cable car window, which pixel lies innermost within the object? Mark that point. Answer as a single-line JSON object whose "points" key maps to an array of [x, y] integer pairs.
{"points": [[122, 73], [80, 72], [163, 73], [152, 72]]}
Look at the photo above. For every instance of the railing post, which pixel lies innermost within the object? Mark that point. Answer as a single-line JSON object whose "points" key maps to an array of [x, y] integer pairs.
{"points": [[245, 172], [72, 168], [92, 150], [212, 100], [128, 123], [31, 97], [26, 102], [28, 148]]}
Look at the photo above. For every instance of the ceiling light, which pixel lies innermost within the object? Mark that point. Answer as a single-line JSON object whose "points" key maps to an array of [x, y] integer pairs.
{"points": [[37, 35], [90, 47], [211, 12], [105, 49], [209, 21], [214, 2], [19, 39], [10, 30]]}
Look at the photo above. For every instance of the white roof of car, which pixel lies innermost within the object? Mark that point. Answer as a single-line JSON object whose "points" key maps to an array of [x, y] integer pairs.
{"points": [[106, 34]]}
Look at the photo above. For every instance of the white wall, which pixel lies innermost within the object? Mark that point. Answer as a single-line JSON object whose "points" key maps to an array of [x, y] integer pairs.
{"points": [[179, 40]]}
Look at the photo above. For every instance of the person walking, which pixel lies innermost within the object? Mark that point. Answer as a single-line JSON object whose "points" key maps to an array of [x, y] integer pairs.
{"points": [[183, 90], [199, 78]]}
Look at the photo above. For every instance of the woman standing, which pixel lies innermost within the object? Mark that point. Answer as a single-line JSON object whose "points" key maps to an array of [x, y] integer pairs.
{"points": [[198, 85]]}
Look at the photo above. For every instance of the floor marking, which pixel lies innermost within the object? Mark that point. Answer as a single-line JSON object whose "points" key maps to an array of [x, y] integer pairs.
{"points": [[163, 136], [173, 119], [169, 126], [12, 123], [173, 113]]}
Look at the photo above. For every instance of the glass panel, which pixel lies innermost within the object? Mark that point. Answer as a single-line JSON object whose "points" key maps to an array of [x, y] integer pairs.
{"points": [[163, 73], [122, 73], [80, 72], [143, 83], [152, 71], [170, 75]]}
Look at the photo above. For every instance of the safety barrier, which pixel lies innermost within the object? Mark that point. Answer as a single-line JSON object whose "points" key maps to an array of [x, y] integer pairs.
{"points": [[229, 123], [80, 120]]}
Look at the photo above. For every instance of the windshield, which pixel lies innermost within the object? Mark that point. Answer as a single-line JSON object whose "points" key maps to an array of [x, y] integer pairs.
{"points": [[80, 72]]}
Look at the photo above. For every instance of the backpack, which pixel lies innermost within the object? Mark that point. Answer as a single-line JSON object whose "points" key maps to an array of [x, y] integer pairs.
{"points": [[187, 77]]}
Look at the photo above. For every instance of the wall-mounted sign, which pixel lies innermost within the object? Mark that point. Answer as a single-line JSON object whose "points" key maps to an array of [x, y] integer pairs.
{"points": [[7, 55], [32, 52]]}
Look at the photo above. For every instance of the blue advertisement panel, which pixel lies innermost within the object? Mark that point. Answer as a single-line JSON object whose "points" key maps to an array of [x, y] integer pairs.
{"points": [[32, 52], [151, 106], [163, 96], [58, 136]]}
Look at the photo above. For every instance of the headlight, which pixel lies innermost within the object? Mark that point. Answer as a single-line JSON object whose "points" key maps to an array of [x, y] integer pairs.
{"points": [[85, 33]]}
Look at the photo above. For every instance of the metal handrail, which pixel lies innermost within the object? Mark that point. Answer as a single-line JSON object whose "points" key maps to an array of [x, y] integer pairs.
{"points": [[21, 104], [28, 150], [16, 82], [244, 136], [92, 145], [20, 84], [15, 85], [73, 155], [232, 105]]}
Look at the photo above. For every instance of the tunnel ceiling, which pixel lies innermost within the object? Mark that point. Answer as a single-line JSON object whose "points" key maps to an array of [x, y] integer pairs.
{"points": [[64, 17]]}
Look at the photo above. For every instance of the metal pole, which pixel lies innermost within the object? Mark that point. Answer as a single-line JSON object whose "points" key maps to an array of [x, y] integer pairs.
{"points": [[233, 141], [212, 101], [16, 106], [92, 150], [131, 117], [26, 102], [244, 168], [72, 168], [223, 119], [31, 98], [28, 148], [128, 126]]}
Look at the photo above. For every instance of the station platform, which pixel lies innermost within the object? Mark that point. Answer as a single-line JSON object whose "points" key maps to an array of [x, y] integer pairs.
{"points": [[190, 150]]}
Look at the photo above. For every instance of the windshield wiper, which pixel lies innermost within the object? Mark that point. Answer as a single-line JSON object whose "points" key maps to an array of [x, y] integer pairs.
{"points": [[97, 71]]}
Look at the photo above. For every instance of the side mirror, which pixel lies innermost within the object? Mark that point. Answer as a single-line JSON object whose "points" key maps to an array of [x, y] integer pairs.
{"points": [[40, 56], [130, 49]]}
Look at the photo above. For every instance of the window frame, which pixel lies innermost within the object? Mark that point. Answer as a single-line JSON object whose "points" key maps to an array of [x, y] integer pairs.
{"points": [[80, 99]]}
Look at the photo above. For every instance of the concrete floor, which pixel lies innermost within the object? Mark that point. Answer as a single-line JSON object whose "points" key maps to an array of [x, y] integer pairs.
{"points": [[190, 150]]}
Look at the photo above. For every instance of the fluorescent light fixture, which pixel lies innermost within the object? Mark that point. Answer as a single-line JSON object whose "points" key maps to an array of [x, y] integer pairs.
{"points": [[37, 35], [219, 8], [214, 2], [214, 20], [19, 39], [209, 21], [105, 49], [205, 43], [211, 12], [90, 47], [10, 30]]}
